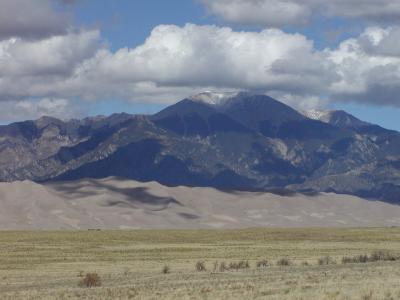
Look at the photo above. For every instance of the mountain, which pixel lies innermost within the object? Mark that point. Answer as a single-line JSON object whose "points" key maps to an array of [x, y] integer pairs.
{"points": [[223, 140], [338, 118]]}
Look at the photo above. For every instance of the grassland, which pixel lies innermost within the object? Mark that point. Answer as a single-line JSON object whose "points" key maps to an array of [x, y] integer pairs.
{"points": [[50, 265]]}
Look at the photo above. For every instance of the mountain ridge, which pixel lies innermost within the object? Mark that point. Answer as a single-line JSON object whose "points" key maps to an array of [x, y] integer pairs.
{"points": [[239, 141]]}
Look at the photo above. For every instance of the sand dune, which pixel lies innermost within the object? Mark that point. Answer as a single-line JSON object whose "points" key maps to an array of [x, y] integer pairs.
{"points": [[120, 204]]}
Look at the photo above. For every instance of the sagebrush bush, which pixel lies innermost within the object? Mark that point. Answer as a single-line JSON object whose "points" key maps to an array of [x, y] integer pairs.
{"points": [[262, 263], [326, 260], [166, 269], [216, 264], [374, 257], [239, 265], [223, 267], [284, 262], [355, 259], [382, 256], [90, 280], [200, 266]]}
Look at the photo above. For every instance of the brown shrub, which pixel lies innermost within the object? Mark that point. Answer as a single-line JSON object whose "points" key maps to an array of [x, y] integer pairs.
{"points": [[284, 262], [382, 256], [90, 280], [374, 257], [326, 260], [223, 267], [200, 266], [239, 265], [166, 269], [262, 263], [355, 259]]}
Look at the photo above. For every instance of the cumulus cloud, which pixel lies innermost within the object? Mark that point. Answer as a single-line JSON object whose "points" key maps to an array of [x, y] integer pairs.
{"points": [[33, 109], [369, 67], [30, 68], [204, 57], [277, 13], [181, 58], [31, 19], [175, 62]]}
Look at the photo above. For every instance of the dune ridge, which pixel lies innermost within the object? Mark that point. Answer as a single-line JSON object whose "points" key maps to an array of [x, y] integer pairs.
{"points": [[114, 203]]}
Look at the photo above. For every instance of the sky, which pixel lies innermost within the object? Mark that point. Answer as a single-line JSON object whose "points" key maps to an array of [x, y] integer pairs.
{"points": [[74, 58]]}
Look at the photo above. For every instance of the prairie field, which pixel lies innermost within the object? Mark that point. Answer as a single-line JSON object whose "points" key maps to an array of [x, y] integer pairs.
{"points": [[202, 264]]}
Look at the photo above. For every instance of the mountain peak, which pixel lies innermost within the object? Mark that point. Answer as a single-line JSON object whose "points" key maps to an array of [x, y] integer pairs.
{"points": [[213, 98], [338, 118]]}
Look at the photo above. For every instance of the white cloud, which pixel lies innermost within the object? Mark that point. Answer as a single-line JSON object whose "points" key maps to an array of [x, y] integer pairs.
{"points": [[209, 56], [30, 19], [175, 62], [278, 13], [34, 68], [173, 58], [12, 111], [369, 67]]}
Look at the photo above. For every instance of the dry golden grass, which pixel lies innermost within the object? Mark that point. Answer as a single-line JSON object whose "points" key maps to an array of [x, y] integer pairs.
{"points": [[50, 265]]}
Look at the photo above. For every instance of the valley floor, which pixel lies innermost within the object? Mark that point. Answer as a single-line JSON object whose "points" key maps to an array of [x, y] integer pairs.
{"points": [[130, 264]]}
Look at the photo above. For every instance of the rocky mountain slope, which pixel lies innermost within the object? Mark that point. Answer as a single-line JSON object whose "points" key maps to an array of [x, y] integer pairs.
{"points": [[229, 141]]}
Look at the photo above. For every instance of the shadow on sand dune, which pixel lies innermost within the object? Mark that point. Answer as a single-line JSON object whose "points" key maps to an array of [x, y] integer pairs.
{"points": [[119, 196], [275, 191]]}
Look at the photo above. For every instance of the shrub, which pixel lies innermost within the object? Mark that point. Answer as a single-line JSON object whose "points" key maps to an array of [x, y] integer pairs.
{"points": [[382, 256], [355, 259], [239, 265], [223, 267], [367, 296], [305, 263], [90, 280], [262, 263], [326, 260], [374, 257], [200, 266], [166, 269], [283, 262], [243, 264], [127, 271], [216, 264]]}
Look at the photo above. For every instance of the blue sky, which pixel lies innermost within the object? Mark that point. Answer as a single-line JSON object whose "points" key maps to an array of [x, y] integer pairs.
{"points": [[107, 73]]}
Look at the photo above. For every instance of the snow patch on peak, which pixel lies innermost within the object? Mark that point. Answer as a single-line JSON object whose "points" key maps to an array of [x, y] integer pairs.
{"points": [[213, 98], [317, 114], [335, 117]]}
